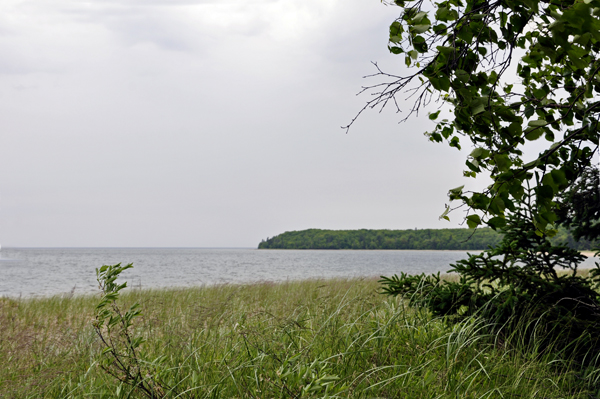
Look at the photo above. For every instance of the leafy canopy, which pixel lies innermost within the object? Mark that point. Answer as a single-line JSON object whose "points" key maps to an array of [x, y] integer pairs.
{"points": [[512, 72]]}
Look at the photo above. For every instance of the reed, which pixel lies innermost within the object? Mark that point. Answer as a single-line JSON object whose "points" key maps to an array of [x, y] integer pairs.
{"points": [[314, 338]]}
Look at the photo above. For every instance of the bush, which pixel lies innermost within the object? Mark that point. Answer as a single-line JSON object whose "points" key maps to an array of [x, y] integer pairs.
{"points": [[517, 281]]}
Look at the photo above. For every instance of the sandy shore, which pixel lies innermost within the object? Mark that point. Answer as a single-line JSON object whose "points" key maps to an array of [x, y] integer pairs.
{"points": [[589, 254]]}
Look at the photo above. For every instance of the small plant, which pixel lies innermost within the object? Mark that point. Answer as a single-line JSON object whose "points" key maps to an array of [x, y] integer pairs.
{"points": [[121, 356]]}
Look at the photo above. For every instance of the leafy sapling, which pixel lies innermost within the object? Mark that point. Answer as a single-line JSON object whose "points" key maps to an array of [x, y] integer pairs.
{"points": [[121, 356]]}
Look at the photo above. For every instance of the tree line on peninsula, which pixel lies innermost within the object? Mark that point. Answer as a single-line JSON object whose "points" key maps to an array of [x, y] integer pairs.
{"points": [[440, 239]]}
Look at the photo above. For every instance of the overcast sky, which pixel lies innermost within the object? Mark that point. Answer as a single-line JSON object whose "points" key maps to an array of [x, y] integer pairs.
{"points": [[205, 124]]}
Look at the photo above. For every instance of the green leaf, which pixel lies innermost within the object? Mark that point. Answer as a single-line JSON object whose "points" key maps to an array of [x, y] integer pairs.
{"points": [[537, 123], [420, 28], [395, 29], [477, 109], [419, 16], [544, 193], [497, 206], [433, 116], [447, 131], [503, 18], [517, 191], [558, 175], [454, 142], [444, 83], [497, 222], [550, 217], [549, 181], [446, 51], [440, 29], [479, 201], [474, 166], [462, 75], [503, 162], [456, 192], [473, 221], [535, 133], [477, 152], [444, 215], [443, 14]]}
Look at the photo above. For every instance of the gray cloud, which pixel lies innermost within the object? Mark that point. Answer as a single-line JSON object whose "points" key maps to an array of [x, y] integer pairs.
{"points": [[130, 123]]}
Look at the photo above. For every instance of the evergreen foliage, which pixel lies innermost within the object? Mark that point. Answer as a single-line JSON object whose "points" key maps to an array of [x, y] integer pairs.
{"points": [[580, 207], [518, 279]]}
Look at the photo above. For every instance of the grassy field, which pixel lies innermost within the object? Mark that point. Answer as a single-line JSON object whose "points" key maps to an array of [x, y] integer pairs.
{"points": [[334, 338]]}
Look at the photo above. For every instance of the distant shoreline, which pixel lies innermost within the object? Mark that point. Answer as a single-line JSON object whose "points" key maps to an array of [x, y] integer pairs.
{"points": [[422, 239], [366, 239]]}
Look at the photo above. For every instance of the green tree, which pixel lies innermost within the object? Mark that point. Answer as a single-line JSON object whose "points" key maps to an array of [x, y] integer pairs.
{"points": [[509, 72]]}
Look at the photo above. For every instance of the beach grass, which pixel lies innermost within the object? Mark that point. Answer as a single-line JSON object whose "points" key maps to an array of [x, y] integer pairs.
{"points": [[314, 338]]}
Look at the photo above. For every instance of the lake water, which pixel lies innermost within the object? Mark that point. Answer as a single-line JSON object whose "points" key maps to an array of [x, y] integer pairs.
{"points": [[27, 272]]}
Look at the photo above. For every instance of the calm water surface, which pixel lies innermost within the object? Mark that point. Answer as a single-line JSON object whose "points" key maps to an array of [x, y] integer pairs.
{"points": [[31, 272]]}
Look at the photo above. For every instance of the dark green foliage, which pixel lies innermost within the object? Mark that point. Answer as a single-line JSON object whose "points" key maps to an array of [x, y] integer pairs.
{"points": [[503, 73], [566, 238], [580, 207], [519, 279], [383, 239], [443, 239], [442, 297], [506, 73]]}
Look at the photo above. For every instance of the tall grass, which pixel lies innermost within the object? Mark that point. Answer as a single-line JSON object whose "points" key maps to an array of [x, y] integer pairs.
{"points": [[333, 338]]}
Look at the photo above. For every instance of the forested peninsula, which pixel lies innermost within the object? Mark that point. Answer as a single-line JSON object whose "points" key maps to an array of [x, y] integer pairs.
{"points": [[441, 239]]}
